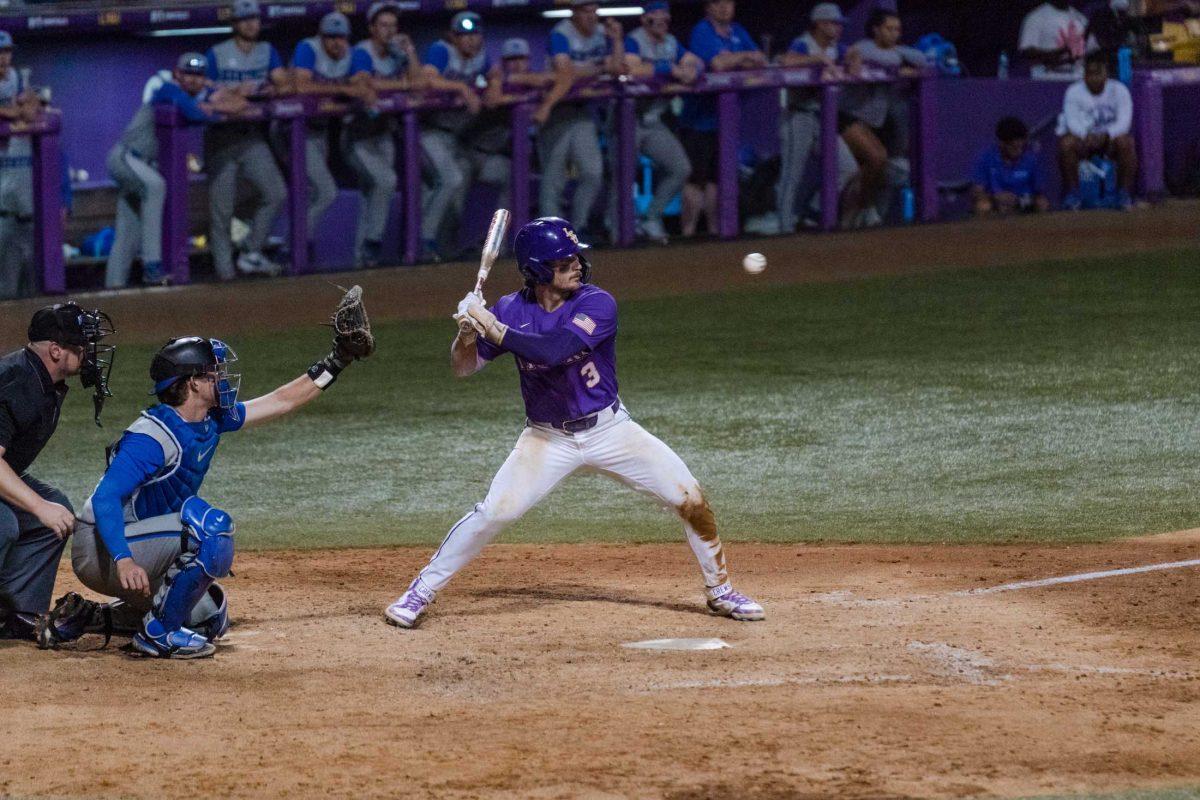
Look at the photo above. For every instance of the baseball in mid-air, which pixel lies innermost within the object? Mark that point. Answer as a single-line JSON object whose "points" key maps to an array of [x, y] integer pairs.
{"points": [[754, 263]]}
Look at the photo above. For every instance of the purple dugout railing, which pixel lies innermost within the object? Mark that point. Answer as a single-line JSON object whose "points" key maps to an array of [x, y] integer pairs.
{"points": [[623, 94], [1149, 126], [47, 195]]}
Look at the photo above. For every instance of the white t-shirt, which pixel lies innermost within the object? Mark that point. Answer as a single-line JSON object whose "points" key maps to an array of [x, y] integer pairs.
{"points": [[1050, 28], [1109, 112]]}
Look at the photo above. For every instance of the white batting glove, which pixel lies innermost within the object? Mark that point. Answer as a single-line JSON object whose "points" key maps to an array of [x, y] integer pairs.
{"points": [[468, 328], [491, 328]]}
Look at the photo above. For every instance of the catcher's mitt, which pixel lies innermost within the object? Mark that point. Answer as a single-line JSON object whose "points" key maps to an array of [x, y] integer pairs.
{"points": [[352, 337]]}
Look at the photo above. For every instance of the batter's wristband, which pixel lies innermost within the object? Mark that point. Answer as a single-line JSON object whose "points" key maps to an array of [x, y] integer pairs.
{"points": [[325, 371]]}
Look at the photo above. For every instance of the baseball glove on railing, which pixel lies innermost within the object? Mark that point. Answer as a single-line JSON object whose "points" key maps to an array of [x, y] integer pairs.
{"points": [[352, 339]]}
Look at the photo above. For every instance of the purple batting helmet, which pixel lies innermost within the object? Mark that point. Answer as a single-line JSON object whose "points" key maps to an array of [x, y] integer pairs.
{"points": [[547, 239]]}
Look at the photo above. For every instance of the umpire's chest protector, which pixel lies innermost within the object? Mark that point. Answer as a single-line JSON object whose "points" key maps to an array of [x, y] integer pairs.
{"points": [[188, 449]]}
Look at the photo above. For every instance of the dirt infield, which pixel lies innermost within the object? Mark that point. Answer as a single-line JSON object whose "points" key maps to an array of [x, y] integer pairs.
{"points": [[424, 292], [869, 679]]}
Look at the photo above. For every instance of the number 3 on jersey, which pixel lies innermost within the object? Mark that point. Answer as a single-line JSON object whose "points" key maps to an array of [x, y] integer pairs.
{"points": [[590, 374]]}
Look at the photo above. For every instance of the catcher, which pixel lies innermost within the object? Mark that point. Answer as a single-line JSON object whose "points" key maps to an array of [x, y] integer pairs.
{"points": [[145, 536]]}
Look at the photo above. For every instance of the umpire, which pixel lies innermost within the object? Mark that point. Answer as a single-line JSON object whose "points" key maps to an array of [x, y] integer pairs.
{"points": [[36, 518]]}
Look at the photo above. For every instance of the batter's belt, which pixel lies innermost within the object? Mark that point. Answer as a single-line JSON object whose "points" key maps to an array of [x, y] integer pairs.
{"points": [[582, 423]]}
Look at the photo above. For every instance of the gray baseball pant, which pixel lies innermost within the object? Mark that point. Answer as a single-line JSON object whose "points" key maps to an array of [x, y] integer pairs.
{"points": [[322, 190], [226, 159], [799, 134], [658, 143], [374, 161], [29, 552], [141, 192], [573, 141], [16, 223], [155, 544], [443, 163]]}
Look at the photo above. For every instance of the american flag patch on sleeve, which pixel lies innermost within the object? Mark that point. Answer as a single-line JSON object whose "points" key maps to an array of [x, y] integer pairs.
{"points": [[585, 323]]}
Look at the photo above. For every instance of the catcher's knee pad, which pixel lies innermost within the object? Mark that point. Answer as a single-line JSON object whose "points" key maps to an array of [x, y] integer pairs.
{"points": [[209, 533], [210, 617]]}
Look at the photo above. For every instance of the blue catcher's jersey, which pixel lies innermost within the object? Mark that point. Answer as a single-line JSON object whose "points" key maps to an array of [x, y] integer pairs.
{"points": [[159, 462]]}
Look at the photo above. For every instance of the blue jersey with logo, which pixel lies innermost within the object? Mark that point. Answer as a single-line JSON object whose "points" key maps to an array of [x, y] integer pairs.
{"points": [[584, 383], [159, 462], [1021, 177]]}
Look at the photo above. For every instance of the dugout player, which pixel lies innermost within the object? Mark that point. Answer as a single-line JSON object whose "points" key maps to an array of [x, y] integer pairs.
{"points": [[580, 48], [17, 103], [458, 64], [236, 149], [562, 331], [722, 44], [800, 130], [36, 518], [653, 51], [321, 66], [133, 166], [127, 541], [387, 62]]}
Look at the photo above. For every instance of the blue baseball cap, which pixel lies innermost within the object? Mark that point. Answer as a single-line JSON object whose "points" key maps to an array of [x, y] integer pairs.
{"points": [[6, 42], [657, 5], [245, 9], [466, 22], [192, 64], [515, 48], [335, 23]]}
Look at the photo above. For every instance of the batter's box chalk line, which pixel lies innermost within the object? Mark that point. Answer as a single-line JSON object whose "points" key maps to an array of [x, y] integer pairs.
{"points": [[845, 597], [678, 644]]}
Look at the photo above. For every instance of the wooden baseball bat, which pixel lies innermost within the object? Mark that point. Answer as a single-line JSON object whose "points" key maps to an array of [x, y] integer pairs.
{"points": [[492, 245]]}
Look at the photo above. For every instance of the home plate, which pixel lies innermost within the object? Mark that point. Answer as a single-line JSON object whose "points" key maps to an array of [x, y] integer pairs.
{"points": [[678, 644]]}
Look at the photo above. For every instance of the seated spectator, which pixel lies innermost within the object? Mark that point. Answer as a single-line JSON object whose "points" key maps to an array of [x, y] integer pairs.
{"points": [[1007, 176], [873, 117], [722, 45], [1054, 41], [1096, 119]]}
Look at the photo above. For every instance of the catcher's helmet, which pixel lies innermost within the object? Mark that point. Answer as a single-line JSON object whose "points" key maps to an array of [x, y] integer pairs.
{"points": [[186, 356], [547, 239]]}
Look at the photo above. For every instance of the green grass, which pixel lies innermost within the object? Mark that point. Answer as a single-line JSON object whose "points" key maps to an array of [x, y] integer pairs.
{"points": [[1051, 403], [1139, 794]]}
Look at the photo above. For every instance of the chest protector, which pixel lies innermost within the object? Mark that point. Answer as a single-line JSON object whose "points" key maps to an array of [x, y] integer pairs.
{"points": [[188, 449]]}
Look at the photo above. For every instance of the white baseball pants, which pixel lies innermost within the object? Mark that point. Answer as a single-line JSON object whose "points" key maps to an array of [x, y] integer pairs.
{"points": [[618, 447]]}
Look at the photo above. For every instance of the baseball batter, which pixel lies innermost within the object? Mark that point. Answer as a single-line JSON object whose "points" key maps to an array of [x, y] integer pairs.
{"points": [[562, 332]]}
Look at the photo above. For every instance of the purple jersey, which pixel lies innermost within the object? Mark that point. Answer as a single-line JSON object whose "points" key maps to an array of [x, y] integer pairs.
{"points": [[587, 381]]}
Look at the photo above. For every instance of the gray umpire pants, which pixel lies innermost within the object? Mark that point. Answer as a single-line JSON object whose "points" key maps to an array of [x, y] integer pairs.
{"points": [[17, 278], [572, 141], [659, 143], [322, 190], [374, 161], [228, 155], [29, 553], [155, 544], [799, 135], [141, 192]]}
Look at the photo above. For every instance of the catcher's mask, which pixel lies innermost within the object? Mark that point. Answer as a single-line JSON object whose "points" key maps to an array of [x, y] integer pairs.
{"points": [[188, 356], [547, 239], [69, 325]]}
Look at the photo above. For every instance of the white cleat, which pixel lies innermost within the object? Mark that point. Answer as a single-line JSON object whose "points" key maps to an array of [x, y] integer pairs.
{"points": [[725, 602], [412, 605]]}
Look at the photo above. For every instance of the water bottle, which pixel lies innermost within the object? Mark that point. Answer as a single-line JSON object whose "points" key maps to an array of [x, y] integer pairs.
{"points": [[908, 205], [1002, 67], [1125, 65]]}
